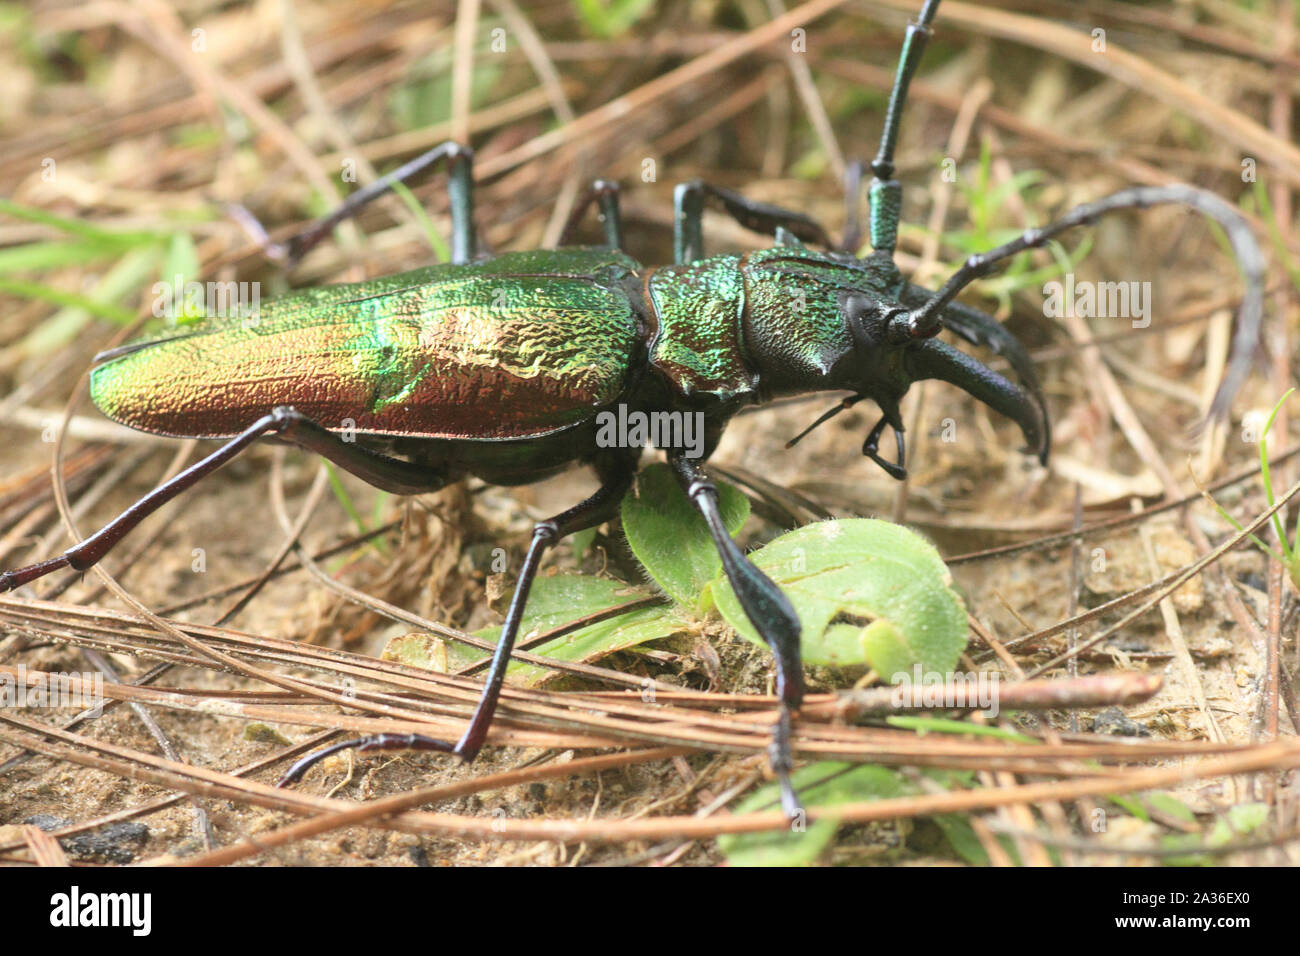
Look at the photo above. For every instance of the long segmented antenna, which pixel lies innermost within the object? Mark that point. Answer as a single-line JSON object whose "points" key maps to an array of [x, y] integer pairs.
{"points": [[927, 319], [886, 193]]}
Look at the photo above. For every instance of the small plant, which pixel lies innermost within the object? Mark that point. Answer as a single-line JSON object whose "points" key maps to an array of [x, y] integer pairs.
{"points": [[1289, 556], [867, 592]]}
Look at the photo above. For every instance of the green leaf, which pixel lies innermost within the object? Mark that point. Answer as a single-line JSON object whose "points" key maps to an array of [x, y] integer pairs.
{"points": [[124, 279], [1240, 821], [71, 300], [55, 254], [821, 785], [425, 98], [581, 541], [76, 227], [1171, 806], [866, 591], [939, 725], [1236, 824], [961, 835], [1132, 804], [610, 18], [558, 599], [827, 785], [669, 537]]}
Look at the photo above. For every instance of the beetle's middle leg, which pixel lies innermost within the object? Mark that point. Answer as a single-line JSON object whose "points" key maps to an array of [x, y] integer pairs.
{"points": [[604, 504], [767, 608], [688, 218], [603, 193], [287, 424]]}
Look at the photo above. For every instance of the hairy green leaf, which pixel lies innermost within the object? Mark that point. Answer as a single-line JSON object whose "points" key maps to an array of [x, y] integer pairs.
{"points": [[866, 591], [669, 537]]}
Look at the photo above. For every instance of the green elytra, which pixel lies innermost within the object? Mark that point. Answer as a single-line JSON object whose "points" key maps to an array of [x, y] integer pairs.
{"points": [[501, 367], [404, 354]]}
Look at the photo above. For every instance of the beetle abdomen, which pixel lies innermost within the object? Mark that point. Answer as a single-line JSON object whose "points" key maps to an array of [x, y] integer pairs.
{"points": [[515, 347]]}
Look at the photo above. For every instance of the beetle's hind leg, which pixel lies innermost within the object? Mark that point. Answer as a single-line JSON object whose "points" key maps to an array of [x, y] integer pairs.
{"points": [[767, 608], [285, 423], [460, 188], [600, 507]]}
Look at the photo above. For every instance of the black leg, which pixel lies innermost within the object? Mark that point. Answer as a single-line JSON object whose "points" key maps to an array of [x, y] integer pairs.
{"points": [[927, 319], [601, 506], [603, 193], [767, 608], [688, 222], [460, 163], [284, 423]]}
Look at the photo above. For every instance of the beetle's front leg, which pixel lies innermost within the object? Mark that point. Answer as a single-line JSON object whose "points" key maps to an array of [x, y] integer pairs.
{"points": [[600, 507], [767, 608]]}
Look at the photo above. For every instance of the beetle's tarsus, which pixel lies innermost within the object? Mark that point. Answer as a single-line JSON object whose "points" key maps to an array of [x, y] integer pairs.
{"points": [[12, 580], [780, 755], [364, 744]]}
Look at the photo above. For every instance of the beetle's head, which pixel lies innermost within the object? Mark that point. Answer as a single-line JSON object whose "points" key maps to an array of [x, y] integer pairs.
{"points": [[885, 358]]}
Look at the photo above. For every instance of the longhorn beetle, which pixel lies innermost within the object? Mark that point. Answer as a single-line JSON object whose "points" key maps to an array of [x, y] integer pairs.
{"points": [[497, 367]]}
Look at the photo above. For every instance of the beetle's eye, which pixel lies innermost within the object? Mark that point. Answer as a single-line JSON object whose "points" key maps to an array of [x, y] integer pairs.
{"points": [[866, 319]]}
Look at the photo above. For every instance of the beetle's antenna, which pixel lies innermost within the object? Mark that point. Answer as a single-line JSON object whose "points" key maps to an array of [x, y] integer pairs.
{"points": [[825, 417], [927, 319], [886, 193]]}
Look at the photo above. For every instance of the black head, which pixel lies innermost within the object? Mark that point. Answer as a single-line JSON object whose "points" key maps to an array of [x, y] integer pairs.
{"points": [[885, 358]]}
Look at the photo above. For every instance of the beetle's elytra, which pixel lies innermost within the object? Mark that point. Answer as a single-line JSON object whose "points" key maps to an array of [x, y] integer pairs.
{"points": [[499, 366]]}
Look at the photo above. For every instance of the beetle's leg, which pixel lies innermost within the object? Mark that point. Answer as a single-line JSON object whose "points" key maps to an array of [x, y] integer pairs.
{"points": [[688, 218], [767, 608], [603, 193], [600, 507], [926, 320], [389, 474], [460, 187]]}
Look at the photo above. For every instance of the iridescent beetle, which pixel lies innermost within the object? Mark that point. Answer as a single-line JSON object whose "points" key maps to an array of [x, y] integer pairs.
{"points": [[498, 367]]}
